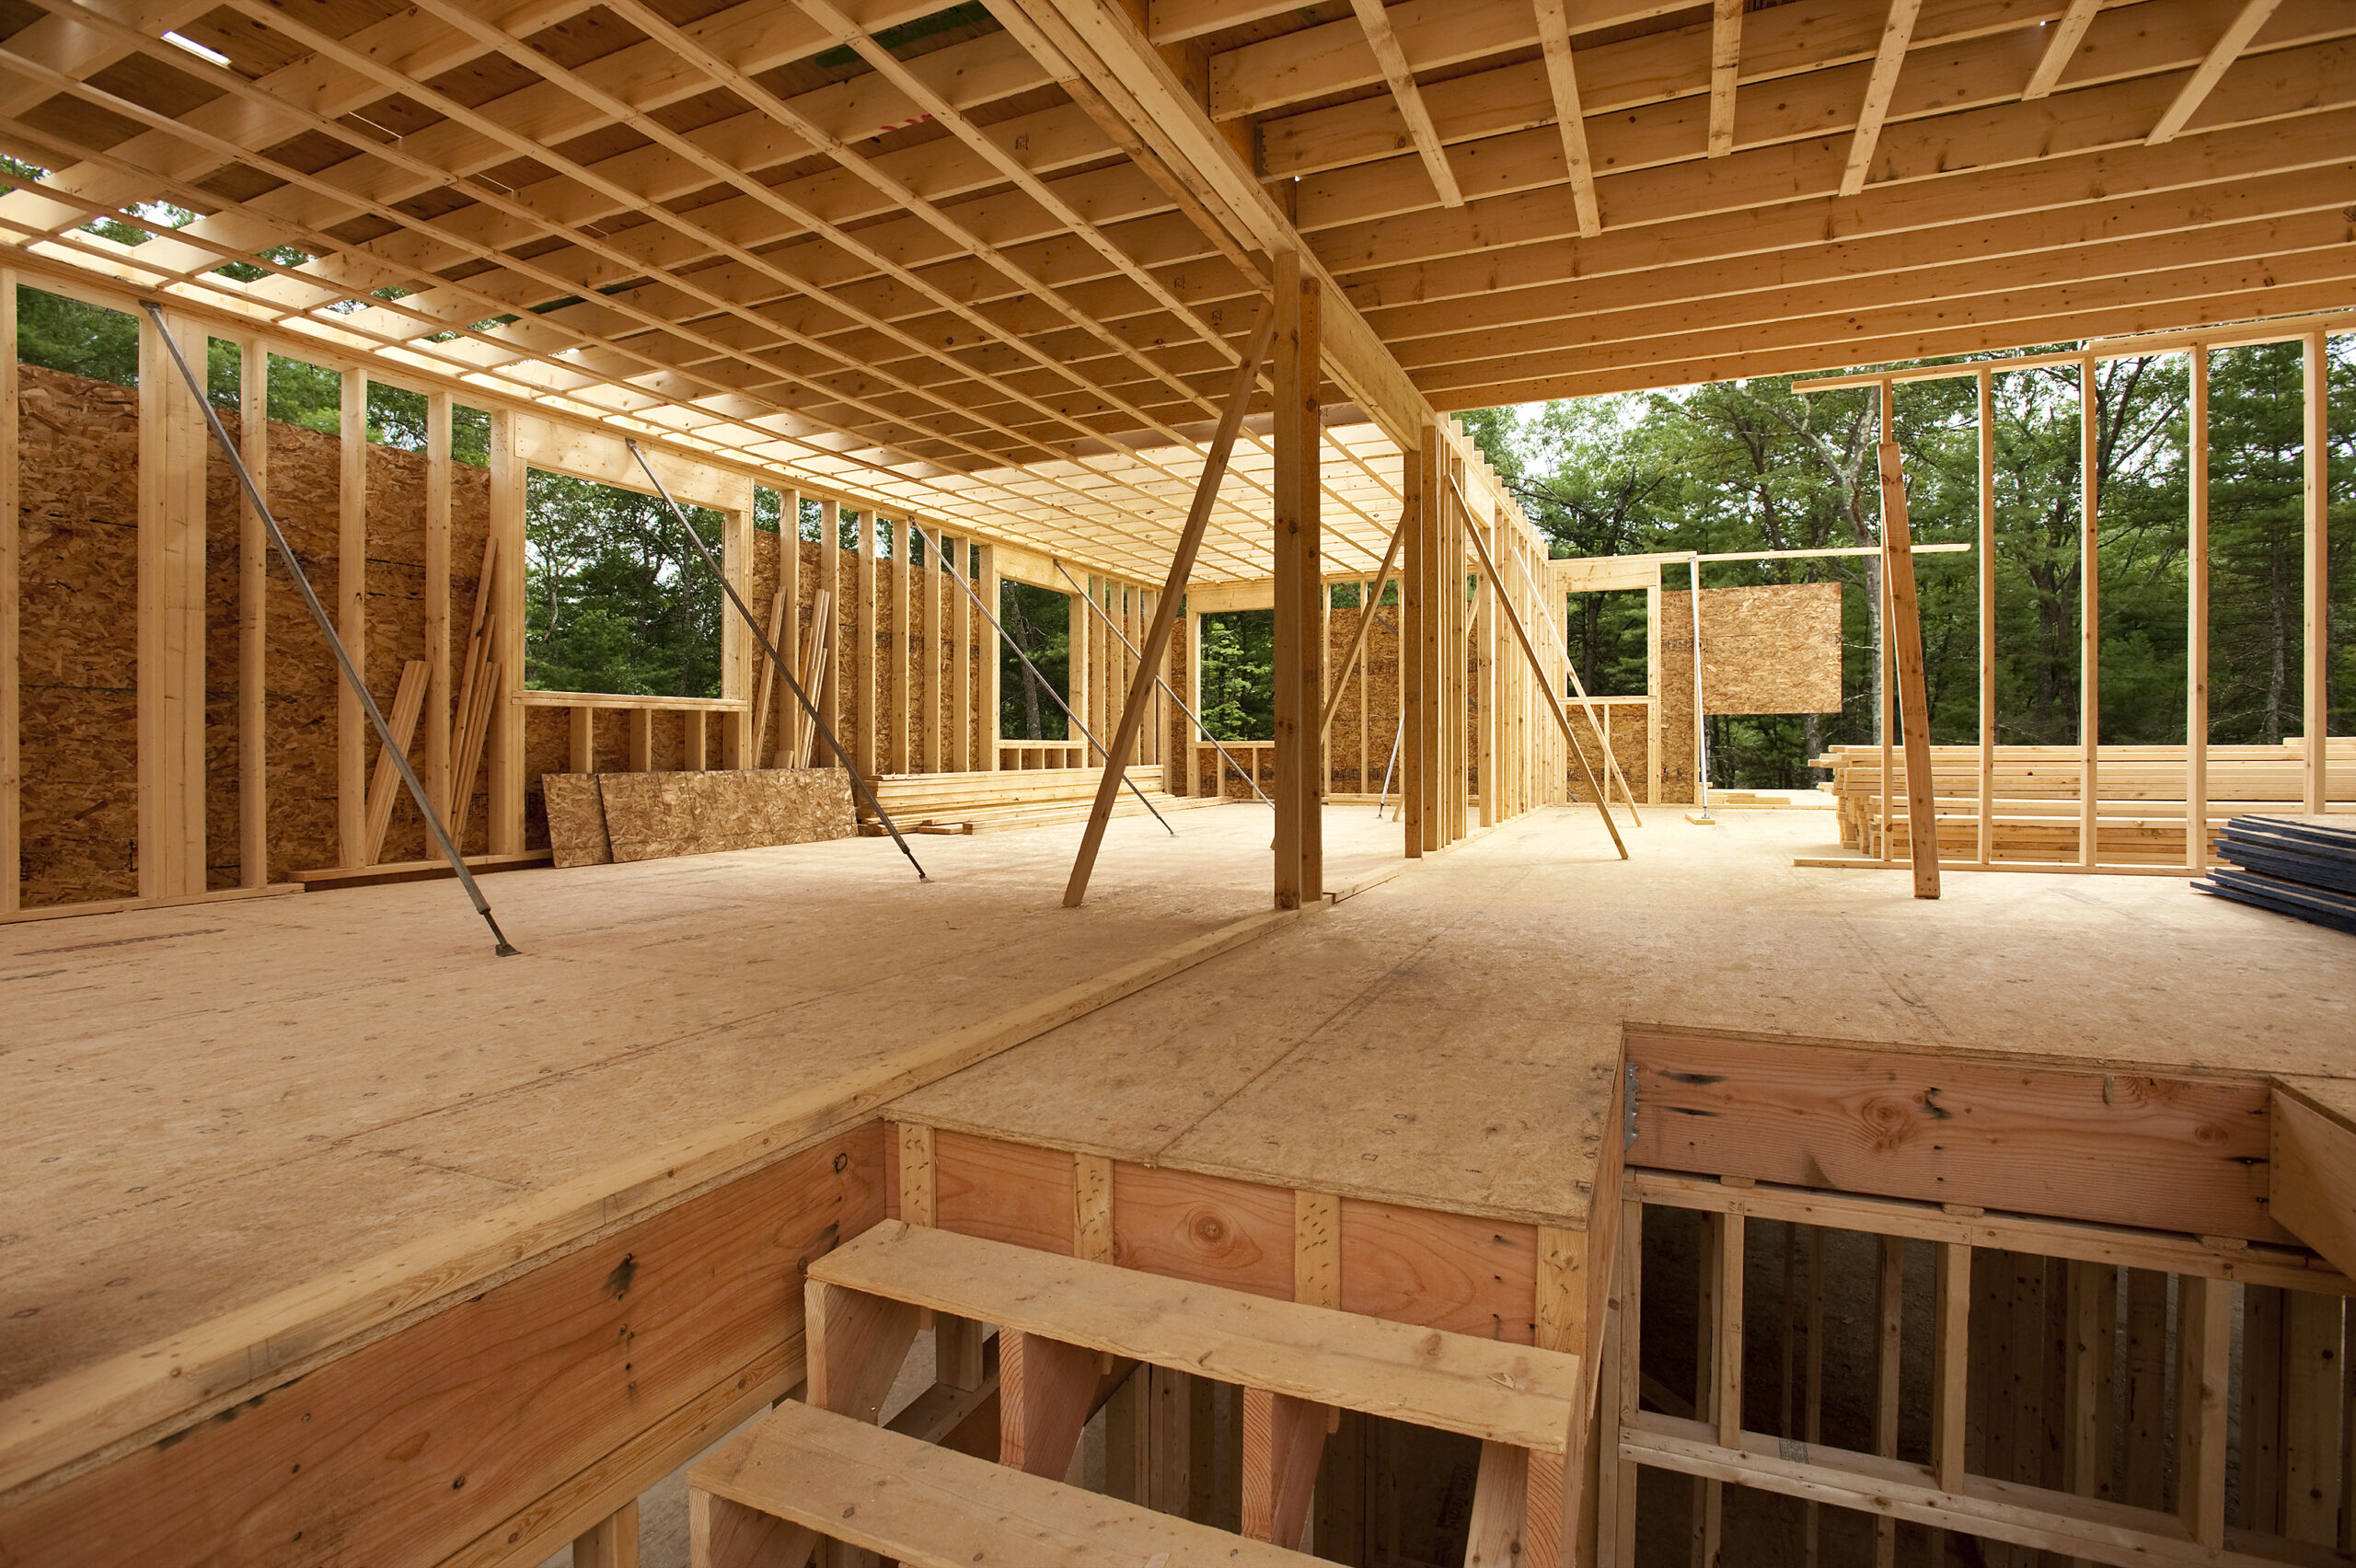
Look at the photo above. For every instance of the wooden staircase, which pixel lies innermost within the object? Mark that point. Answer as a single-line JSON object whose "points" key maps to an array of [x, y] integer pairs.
{"points": [[1068, 1330]]}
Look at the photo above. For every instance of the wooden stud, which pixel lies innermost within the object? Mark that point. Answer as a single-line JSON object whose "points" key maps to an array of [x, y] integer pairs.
{"points": [[12, 610], [1046, 1389], [1494, 1538], [611, 1542], [694, 741], [1903, 633], [1092, 1229], [385, 787], [170, 621], [581, 748], [961, 658], [1987, 597], [2204, 1350], [1317, 1250], [791, 721], [870, 747], [1284, 1439], [2260, 1482], [1951, 1363], [900, 694], [857, 1343], [641, 740], [1888, 1349], [2312, 1404], [504, 660], [827, 695], [989, 699], [1299, 665], [438, 477], [2089, 605], [2196, 630], [2315, 664]]}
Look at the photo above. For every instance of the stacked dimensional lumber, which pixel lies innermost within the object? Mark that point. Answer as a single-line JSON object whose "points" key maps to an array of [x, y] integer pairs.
{"points": [[2140, 797], [2296, 865], [984, 802]]}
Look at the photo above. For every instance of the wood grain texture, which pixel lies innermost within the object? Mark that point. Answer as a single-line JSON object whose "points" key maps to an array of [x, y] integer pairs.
{"points": [[1206, 1229], [1444, 1271], [2032, 1139], [412, 1448], [1003, 1192], [2311, 1176]]}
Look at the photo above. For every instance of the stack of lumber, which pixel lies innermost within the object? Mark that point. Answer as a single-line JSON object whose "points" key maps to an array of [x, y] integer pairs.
{"points": [[987, 802], [2140, 797], [2296, 865]]}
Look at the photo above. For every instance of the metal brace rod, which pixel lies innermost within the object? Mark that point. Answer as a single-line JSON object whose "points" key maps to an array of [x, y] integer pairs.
{"points": [[327, 629], [859, 779], [959, 578], [1115, 627]]}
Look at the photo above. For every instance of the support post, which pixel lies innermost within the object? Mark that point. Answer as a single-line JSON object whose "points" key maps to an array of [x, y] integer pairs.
{"points": [[11, 609], [2196, 611], [1905, 635], [507, 760], [2314, 688], [2089, 607], [437, 603], [1300, 658], [171, 628]]}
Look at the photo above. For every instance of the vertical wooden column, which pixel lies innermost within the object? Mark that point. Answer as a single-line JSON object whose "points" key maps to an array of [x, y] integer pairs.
{"points": [[869, 747], [1652, 693], [2314, 688], [506, 782], [2196, 614], [11, 608], [901, 705], [1987, 615], [2089, 605], [351, 622], [1903, 632], [253, 621], [987, 582], [829, 694], [1193, 699], [172, 458], [1299, 662], [792, 721], [924, 592], [961, 656], [1486, 686], [1419, 689], [611, 1542], [1456, 711], [738, 647], [1077, 673], [437, 603]]}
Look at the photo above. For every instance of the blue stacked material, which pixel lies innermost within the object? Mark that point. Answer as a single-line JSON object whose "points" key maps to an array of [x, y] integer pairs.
{"points": [[2296, 865]]}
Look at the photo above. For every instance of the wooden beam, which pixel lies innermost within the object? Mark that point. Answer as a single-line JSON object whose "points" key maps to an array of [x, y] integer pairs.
{"points": [[1374, 18], [1300, 659], [2089, 607], [2220, 59], [2315, 576], [1905, 634], [1155, 653], [1284, 1439], [1895, 32], [11, 603], [2311, 1175], [857, 1343], [1725, 70], [1570, 119], [2061, 47], [1046, 1392]]}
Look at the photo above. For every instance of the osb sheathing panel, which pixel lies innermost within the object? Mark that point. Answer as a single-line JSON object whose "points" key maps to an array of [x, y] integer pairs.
{"points": [[576, 819], [654, 815], [78, 575], [1774, 648]]}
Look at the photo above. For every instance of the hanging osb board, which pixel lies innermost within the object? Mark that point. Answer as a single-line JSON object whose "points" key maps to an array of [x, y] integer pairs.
{"points": [[78, 572], [576, 813], [1774, 648], [651, 817]]}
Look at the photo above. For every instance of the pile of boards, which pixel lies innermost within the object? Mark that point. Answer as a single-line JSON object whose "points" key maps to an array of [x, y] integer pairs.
{"points": [[2296, 865], [987, 802]]}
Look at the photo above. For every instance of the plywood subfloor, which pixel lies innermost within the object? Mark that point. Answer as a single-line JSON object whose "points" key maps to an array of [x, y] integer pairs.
{"points": [[210, 1104], [1446, 1039]]}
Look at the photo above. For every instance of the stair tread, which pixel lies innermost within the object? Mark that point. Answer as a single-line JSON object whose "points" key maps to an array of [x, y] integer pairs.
{"points": [[932, 1507], [1500, 1392]]}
